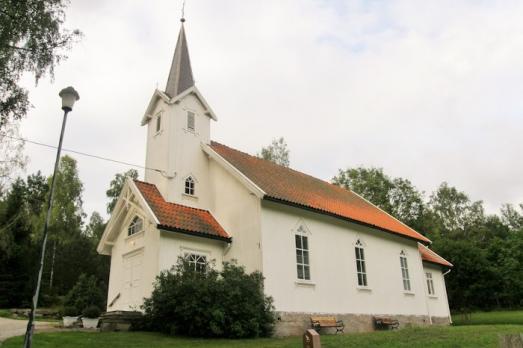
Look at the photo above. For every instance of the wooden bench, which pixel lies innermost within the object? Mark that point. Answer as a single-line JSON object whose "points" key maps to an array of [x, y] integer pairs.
{"points": [[386, 323], [319, 323]]}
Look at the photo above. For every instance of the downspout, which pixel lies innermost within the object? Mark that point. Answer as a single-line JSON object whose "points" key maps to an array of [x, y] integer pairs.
{"points": [[446, 298]]}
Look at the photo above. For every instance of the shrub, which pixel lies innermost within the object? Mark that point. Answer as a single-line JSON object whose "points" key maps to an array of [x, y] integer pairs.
{"points": [[229, 303], [70, 311], [91, 312], [85, 293]]}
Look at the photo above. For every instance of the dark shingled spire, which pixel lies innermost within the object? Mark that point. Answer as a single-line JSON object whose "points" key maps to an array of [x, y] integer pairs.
{"points": [[180, 76]]}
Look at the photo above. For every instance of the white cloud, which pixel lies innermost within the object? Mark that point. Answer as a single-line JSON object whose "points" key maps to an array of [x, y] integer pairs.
{"points": [[430, 90]]}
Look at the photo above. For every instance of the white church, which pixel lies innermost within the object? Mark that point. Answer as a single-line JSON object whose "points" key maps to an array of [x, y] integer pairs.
{"points": [[322, 249]]}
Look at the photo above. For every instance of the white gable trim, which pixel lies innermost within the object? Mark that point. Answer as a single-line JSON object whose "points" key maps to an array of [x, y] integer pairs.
{"points": [[157, 95], [251, 186], [129, 185]]}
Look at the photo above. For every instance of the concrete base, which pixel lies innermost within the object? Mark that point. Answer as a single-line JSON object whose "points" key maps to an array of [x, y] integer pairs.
{"points": [[295, 324]]}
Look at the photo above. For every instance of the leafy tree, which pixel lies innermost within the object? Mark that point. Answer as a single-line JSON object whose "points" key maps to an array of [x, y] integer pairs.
{"points": [[116, 187], [397, 197], [32, 39], [85, 293], [95, 227], [16, 247], [512, 217], [454, 212], [12, 158], [209, 303], [276, 152]]}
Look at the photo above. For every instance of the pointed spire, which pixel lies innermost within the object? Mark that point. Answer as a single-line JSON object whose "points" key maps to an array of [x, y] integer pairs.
{"points": [[180, 76]]}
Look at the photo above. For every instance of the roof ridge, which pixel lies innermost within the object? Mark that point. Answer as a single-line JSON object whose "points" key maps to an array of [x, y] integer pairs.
{"points": [[278, 165]]}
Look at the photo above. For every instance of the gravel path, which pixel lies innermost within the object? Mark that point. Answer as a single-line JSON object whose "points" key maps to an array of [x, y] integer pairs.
{"points": [[12, 327]]}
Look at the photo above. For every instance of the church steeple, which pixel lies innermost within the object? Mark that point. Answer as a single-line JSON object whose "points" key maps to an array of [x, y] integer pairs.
{"points": [[180, 76]]}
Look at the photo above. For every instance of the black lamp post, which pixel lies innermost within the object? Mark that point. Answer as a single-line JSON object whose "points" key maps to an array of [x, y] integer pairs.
{"points": [[69, 96]]}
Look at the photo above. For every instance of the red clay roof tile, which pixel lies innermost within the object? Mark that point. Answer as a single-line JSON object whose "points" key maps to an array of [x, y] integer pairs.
{"points": [[290, 186], [179, 217], [430, 256]]}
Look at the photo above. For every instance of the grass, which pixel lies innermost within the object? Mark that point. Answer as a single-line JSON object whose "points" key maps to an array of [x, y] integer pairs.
{"points": [[490, 318], [429, 337]]}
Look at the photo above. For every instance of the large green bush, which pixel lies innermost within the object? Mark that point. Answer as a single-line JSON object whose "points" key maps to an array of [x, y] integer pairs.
{"points": [[210, 303], [85, 293]]}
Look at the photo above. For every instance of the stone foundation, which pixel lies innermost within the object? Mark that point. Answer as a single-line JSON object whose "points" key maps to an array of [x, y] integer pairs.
{"points": [[294, 324], [119, 320]]}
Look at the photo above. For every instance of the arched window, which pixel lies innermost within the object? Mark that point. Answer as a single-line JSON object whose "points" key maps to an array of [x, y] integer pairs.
{"points": [[302, 254], [189, 186], [361, 269], [135, 226]]}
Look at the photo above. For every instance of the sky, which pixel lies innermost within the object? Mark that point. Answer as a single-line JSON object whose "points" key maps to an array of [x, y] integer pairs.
{"points": [[430, 91]]}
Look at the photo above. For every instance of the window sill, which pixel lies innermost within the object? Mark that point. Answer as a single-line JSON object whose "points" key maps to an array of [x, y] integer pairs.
{"points": [[363, 288], [193, 132], [408, 293], [434, 297], [186, 195], [302, 282]]}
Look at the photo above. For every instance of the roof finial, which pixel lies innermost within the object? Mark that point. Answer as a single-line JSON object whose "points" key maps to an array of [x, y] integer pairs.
{"points": [[183, 12]]}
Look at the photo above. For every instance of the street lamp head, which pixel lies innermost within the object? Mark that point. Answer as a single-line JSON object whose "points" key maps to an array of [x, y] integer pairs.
{"points": [[69, 96]]}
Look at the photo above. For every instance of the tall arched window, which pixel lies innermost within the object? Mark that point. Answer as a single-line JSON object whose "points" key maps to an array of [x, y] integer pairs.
{"points": [[189, 186], [405, 271], [361, 269]]}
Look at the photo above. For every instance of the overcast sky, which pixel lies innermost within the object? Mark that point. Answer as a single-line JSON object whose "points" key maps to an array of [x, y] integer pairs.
{"points": [[429, 90]]}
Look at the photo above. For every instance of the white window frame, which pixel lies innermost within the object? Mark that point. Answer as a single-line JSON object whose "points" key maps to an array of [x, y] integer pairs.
{"points": [[191, 121], [302, 251], [189, 187], [430, 284], [361, 267], [197, 260], [405, 272], [135, 226]]}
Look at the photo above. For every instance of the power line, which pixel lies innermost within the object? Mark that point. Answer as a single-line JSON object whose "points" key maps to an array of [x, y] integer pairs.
{"points": [[162, 172]]}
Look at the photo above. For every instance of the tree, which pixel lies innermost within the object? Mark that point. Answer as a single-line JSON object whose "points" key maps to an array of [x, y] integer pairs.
{"points": [[95, 227], [511, 217], [454, 212], [32, 39], [12, 158], [16, 248], [116, 186], [209, 303], [276, 152], [397, 196], [370, 183]]}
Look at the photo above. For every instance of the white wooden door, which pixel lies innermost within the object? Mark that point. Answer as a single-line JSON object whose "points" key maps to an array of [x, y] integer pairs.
{"points": [[132, 280]]}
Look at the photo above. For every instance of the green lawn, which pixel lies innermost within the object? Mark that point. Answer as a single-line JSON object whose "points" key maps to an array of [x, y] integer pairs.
{"points": [[490, 318], [453, 336]]}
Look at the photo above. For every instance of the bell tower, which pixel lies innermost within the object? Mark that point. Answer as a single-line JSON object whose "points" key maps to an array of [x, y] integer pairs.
{"points": [[178, 122]]}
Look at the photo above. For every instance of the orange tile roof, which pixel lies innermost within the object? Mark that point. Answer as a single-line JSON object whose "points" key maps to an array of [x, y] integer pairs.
{"points": [[180, 218], [430, 256], [292, 187]]}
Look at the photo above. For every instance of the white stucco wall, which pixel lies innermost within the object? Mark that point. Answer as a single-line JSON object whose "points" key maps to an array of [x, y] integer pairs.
{"points": [[238, 212], [174, 245], [333, 287], [145, 243], [437, 303]]}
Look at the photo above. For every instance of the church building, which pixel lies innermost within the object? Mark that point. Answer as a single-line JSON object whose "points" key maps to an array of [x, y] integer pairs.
{"points": [[322, 249]]}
